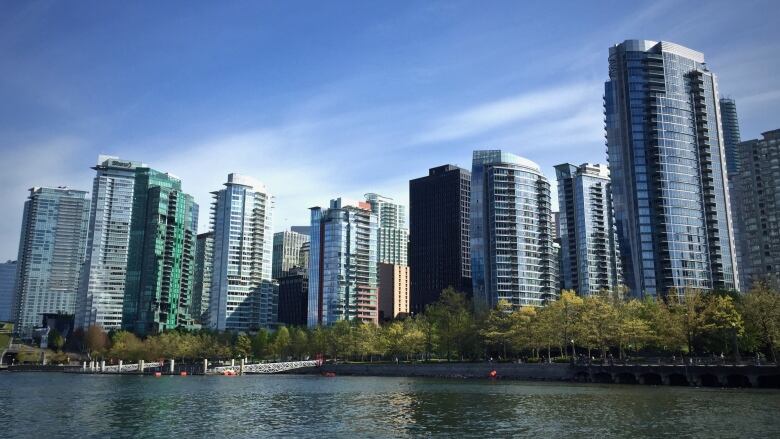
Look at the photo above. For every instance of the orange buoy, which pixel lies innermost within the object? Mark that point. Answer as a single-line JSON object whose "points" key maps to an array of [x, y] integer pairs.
{"points": [[158, 374], [183, 373]]}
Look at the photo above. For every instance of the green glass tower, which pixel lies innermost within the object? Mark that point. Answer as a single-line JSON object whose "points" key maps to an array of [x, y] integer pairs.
{"points": [[161, 260]]}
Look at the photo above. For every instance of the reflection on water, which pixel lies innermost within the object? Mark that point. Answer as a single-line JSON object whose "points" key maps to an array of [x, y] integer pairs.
{"points": [[57, 405]]}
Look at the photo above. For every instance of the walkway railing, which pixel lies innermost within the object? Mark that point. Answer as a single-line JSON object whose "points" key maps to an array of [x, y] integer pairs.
{"points": [[264, 367]]}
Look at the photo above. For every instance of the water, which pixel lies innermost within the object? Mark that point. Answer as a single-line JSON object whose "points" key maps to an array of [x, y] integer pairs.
{"points": [[58, 405]]}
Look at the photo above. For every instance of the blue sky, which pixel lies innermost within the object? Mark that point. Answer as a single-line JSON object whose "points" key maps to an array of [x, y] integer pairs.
{"points": [[327, 99]]}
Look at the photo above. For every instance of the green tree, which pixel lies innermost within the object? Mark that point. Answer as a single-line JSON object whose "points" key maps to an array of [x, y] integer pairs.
{"points": [[281, 343], [497, 328], [522, 334], [260, 344], [299, 342], [96, 341], [688, 312], [562, 318], [126, 346], [724, 323], [761, 310], [453, 322], [55, 340], [596, 325], [243, 346], [633, 331]]}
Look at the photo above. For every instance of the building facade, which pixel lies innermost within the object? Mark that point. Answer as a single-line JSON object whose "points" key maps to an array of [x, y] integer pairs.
{"points": [[731, 140], [204, 260], [439, 245], [667, 165], [243, 295], [52, 248], [287, 252], [102, 287], [343, 263], [392, 233], [757, 185], [294, 297], [731, 135], [512, 254], [161, 255], [393, 291], [7, 283], [590, 259]]}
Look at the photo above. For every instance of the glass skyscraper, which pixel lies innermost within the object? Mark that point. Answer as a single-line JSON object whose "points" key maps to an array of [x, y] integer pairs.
{"points": [[287, 252], [392, 234], [731, 136], [243, 295], [52, 247], [343, 263], [7, 283], [512, 255], [102, 286], [667, 165], [590, 260], [204, 260], [161, 255]]}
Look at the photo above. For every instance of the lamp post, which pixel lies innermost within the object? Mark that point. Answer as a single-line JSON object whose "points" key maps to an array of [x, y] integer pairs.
{"points": [[573, 349]]}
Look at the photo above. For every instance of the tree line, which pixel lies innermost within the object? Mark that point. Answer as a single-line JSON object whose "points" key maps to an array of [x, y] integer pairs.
{"points": [[599, 326]]}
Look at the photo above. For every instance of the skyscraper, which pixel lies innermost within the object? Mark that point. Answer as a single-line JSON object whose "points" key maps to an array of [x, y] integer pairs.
{"points": [[243, 295], [512, 255], [7, 283], [392, 234], [590, 260], [102, 286], [294, 297], [666, 160], [51, 254], [286, 252], [303, 255], [343, 263], [757, 185], [161, 255], [439, 253], [204, 260], [731, 139], [731, 136]]}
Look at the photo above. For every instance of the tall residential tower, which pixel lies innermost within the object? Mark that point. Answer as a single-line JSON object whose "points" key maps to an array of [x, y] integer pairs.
{"points": [[343, 263], [757, 187], [512, 255], [667, 165], [590, 260], [243, 295], [161, 255], [52, 246], [102, 286]]}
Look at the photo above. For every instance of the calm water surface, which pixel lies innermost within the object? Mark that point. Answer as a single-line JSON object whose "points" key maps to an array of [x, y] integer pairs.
{"points": [[58, 405]]}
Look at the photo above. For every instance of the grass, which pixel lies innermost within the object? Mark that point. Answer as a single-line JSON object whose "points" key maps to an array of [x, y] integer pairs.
{"points": [[5, 340]]}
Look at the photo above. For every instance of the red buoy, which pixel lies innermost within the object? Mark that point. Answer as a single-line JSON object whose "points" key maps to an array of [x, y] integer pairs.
{"points": [[183, 373], [158, 374], [493, 374]]}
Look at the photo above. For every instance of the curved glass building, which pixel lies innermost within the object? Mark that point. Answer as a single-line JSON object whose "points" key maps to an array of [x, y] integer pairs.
{"points": [[512, 255], [667, 165]]}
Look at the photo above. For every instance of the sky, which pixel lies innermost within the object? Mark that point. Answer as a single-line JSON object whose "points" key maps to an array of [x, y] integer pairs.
{"points": [[325, 99]]}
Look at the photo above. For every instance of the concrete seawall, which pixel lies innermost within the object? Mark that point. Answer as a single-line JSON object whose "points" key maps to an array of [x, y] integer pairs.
{"points": [[530, 372]]}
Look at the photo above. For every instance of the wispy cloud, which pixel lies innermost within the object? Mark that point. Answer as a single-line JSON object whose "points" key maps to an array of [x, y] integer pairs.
{"points": [[497, 114]]}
